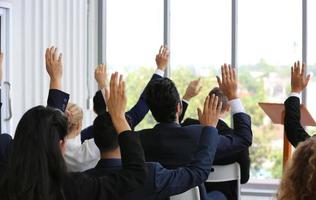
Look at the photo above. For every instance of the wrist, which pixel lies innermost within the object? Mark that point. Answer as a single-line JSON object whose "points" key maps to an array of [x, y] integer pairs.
{"points": [[232, 97], [55, 84], [186, 98], [296, 91]]}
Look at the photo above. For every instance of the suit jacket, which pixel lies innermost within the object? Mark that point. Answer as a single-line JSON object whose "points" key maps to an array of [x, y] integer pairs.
{"points": [[241, 157], [136, 113], [56, 99], [294, 130], [79, 186], [162, 183]]}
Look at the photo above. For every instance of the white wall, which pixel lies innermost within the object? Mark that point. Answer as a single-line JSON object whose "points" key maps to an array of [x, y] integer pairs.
{"points": [[37, 24]]}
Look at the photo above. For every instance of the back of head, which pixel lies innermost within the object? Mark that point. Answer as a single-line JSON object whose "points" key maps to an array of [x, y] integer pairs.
{"points": [[162, 98], [36, 167], [105, 135], [75, 116], [299, 179], [221, 97], [99, 105]]}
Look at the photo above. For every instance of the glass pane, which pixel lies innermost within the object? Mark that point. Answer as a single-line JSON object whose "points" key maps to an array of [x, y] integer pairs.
{"points": [[134, 35], [311, 59], [200, 43], [269, 42]]}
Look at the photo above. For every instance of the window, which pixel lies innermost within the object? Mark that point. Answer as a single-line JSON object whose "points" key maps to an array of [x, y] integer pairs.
{"points": [[134, 35], [311, 58], [270, 36], [200, 42]]}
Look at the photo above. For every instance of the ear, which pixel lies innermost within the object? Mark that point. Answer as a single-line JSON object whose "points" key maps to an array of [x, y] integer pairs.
{"points": [[179, 108], [62, 146]]}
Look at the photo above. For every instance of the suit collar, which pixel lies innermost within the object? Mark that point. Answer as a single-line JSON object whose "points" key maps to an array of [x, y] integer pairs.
{"points": [[167, 125], [109, 163]]}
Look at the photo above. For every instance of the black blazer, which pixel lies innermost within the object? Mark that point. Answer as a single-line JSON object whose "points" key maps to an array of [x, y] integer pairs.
{"points": [[294, 130]]}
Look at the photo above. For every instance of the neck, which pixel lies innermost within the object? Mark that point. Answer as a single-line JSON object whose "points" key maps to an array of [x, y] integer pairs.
{"points": [[72, 134], [114, 154]]}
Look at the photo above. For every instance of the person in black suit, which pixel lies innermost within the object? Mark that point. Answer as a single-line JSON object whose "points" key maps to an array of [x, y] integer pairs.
{"points": [[173, 145], [38, 145], [161, 183], [229, 187], [293, 128]]}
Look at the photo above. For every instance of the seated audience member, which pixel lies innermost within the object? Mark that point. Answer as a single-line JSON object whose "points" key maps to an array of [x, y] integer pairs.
{"points": [[293, 128], [229, 188], [86, 155], [173, 145], [299, 178], [36, 168], [161, 183]]}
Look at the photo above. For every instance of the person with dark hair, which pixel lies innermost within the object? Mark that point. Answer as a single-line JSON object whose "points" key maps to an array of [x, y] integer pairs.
{"points": [[86, 155], [295, 132], [36, 168], [173, 145], [161, 183], [243, 158]]}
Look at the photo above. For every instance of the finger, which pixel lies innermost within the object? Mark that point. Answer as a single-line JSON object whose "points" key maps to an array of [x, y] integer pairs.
{"points": [[219, 108], [60, 59], [219, 81], [292, 71], [199, 111], [206, 103], [160, 50], [55, 52], [223, 72], [307, 80], [303, 69], [233, 74], [214, 103]]}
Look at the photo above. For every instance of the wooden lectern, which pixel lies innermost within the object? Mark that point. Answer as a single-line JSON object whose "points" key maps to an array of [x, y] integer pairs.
{"points": [[275, 111]]}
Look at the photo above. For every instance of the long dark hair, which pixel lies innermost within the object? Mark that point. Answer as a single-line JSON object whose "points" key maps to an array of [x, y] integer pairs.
{"points": [[36, 167]]}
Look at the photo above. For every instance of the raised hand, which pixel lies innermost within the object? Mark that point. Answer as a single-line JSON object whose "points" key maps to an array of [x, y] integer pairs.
{"points": [[54, 67], [193, 89], [1, 64], [100, 75], [228, 83], [211, 112], [298, 78], [162, 58], [117, 103]]}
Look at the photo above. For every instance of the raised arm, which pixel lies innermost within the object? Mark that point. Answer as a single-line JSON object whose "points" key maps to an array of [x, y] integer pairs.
{"points": [[133, 173], [54, 67], [293, 128], [193, 89], [241, 139], [140, 109]]}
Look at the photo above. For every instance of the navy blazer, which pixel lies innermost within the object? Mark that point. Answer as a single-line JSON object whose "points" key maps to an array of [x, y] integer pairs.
{"points": [[295, 132], [161, 182], [136, 113], [242, 157], [173, 145]]}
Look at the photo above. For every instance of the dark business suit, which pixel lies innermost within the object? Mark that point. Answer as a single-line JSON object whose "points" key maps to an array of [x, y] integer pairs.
{"points": [[228, 187], [242, 157], [56, 99], [136, 114], [162, 183], [295, 132], [77, 186]]}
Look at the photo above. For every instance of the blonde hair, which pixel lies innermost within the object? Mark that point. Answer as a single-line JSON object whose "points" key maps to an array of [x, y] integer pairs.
{"points": [[75, 116], [299, 179]]}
